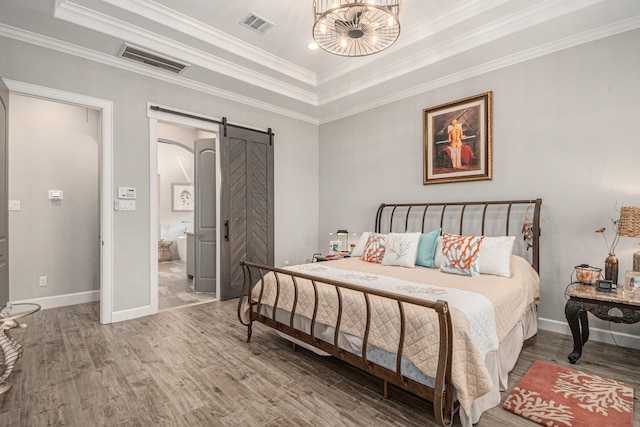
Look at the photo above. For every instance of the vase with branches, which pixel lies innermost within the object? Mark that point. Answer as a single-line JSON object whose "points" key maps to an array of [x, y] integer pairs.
{"points": [[611, 262]]}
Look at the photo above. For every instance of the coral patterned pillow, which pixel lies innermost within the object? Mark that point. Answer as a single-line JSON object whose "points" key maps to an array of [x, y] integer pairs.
{"points": [[460, 254], [401, 249], [375, 247]]}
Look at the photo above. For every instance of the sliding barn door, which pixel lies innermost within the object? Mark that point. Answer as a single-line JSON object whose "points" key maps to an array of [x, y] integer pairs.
{"points": [[246, 205], [4, 223]]}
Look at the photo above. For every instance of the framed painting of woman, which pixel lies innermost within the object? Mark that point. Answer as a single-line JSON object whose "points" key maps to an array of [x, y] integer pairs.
{"points": [[457, 140]]}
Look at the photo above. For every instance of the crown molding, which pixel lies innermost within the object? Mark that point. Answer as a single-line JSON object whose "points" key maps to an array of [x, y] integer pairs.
{"points": [[91, 19], [199, 30], [629, 24], [70, 49], [339, 87], [595, 34], [464, 42]]}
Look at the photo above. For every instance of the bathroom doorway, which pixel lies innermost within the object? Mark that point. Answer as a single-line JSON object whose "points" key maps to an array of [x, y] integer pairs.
{"points": [[177, 211]]}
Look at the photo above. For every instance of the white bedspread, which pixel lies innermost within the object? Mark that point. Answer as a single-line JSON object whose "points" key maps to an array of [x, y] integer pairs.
{"points": [[478, 308], [508, 299]]}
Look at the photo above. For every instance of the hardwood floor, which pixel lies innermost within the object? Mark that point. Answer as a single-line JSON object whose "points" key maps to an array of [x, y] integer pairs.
{"points": [[174, 289], [191, 366]]}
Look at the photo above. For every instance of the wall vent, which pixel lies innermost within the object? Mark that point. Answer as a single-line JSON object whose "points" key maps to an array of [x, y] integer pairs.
{"points": [[256, 23], [145, 57]]}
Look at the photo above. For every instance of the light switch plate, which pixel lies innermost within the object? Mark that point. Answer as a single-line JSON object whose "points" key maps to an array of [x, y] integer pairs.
{"points": [[56, 195], [126, 205], [14, 205]]}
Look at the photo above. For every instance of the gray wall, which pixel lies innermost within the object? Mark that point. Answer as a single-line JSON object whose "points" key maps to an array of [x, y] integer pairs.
{"points": [[296, 143], [563, 130], [53, 146]]}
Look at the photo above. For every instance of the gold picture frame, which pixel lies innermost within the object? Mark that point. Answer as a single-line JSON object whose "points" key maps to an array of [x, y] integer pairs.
{"points": [[457, 141]]}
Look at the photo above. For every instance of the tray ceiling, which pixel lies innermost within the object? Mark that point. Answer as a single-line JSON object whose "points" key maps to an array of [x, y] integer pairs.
{"points": [[441, 42]]}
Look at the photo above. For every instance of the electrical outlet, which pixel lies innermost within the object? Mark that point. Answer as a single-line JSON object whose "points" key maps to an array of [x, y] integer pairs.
{"points": [[43, 281], [286, 263]]}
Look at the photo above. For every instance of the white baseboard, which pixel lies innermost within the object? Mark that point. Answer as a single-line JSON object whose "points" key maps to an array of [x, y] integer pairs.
{"points": [[84, 297], [64, 300], [595, 334]]}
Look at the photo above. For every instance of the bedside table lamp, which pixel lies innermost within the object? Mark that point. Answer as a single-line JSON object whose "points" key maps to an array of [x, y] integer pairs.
{"points": [[630, 227], [343, 237]]}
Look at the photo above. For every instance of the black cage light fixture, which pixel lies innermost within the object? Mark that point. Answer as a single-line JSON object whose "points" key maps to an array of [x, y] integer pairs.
{"points": [[356, 27]]}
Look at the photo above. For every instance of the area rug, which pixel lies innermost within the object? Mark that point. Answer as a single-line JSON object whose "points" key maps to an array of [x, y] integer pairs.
{"points": [[555, 396]]}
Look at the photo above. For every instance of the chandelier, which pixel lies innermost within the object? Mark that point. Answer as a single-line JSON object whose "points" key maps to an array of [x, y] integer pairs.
{"points": [[356, 27]]}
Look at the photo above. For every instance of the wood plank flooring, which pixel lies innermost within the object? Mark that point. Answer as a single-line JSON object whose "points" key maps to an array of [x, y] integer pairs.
{"points": [[191, 366], [174, 289]]}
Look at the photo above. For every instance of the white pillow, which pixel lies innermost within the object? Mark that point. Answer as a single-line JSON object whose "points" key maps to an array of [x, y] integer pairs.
{"points": [[437, 259], [401, 249], [362, 242], [495, 255]]}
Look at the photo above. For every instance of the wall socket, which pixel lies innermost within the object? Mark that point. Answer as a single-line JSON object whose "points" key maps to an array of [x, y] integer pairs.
{"points": [[43, 281]]}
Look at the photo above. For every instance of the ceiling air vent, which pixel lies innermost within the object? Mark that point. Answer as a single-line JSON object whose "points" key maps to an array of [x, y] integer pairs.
{"points": [[256, 23], [152, 59]]}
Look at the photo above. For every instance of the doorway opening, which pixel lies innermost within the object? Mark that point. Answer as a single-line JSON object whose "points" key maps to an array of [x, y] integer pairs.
{"points": [[177, 244], [88, 123], [184, 210]]}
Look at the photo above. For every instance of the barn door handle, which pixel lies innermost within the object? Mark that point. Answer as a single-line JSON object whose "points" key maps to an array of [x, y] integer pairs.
{"points": [[226, 231]]}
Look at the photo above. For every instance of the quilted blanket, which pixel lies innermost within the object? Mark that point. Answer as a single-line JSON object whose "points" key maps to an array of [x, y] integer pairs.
{"points": [[501, 302]]}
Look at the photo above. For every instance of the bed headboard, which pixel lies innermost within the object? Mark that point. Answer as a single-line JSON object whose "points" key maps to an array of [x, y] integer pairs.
{"points": [[520, 218]]}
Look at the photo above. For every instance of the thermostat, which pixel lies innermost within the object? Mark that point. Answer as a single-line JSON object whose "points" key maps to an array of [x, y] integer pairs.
{"points": [[126, 193]]}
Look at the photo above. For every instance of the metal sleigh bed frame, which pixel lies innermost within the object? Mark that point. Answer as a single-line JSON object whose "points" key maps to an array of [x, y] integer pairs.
{"points": [[399, 218]]}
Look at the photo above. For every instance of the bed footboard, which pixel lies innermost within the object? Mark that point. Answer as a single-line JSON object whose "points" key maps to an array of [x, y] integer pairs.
{"points": [[250, 309]]}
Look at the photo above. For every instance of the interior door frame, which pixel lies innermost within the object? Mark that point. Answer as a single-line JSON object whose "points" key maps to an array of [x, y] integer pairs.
{"points": [[105, 176], [205, 124]]}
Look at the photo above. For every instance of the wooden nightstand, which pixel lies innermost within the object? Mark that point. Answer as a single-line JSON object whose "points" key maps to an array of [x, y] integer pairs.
{"points": [[583, 299]]}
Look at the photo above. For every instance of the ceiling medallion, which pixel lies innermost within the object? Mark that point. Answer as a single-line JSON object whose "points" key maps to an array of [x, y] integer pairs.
{"points": [[356, 27]]}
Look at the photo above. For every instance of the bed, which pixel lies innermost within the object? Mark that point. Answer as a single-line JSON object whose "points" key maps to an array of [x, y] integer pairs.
{"points": [[449, 338]]}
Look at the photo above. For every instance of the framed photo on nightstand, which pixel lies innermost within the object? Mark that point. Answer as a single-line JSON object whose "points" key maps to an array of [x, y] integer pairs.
{"points": [[632, 281]]}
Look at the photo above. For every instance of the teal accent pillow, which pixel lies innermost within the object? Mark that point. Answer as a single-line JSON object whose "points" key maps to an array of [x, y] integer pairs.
{"points": [[427, 248]]}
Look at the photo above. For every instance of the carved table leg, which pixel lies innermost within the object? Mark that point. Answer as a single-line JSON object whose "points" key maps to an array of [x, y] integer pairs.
{"points": [[577, 320], [584, 325]]}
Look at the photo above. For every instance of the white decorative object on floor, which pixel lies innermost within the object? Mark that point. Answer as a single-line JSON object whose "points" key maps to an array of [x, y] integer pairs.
{"points": [[181, 243]]}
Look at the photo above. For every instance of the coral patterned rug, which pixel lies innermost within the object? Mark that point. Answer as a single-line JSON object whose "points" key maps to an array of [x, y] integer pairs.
{"points": [[555, 396]]}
